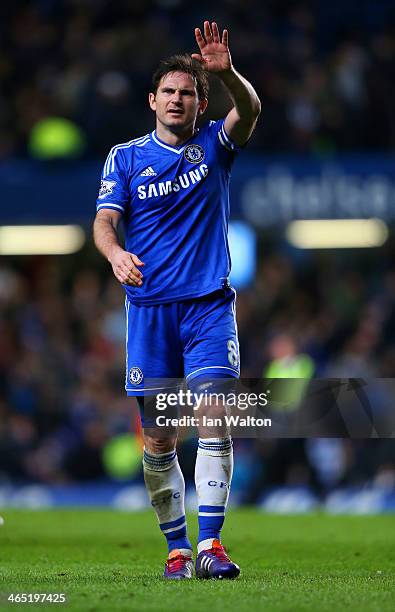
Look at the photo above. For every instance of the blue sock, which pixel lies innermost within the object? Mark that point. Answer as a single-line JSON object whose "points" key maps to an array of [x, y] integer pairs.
{"points": [[176, 538], [211, 520]]}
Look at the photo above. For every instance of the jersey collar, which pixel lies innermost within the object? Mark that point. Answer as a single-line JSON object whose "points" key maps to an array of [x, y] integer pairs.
{"points": [[177, 150]]}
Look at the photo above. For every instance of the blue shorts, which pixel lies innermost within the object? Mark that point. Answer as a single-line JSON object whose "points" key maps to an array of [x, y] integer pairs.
{"points": [[180, 340]]}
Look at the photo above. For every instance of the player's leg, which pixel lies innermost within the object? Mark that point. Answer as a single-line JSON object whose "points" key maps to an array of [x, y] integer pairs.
{"points": [[211, 357], [213, 477], [152, 358], [165, 486]]}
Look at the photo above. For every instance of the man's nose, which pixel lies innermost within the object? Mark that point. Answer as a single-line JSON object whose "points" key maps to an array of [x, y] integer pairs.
{"points": [[177, 97]]}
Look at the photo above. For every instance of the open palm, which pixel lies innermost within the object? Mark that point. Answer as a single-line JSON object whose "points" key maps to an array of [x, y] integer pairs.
{"points": [[214, 51]]}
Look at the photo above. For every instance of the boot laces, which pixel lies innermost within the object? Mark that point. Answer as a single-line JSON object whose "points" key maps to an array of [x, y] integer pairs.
{"points": [[219, 551], [176, 563]]}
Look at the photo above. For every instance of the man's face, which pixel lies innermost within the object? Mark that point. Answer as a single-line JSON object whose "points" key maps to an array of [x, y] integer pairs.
{"points": [[176, 101]]}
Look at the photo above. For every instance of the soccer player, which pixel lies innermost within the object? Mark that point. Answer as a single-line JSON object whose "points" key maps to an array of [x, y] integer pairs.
{"points": [[170, 188]]}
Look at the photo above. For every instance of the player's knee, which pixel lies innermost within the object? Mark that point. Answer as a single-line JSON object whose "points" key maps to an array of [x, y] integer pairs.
{"points": [[214, 392], [213, 385], [159, 445]]}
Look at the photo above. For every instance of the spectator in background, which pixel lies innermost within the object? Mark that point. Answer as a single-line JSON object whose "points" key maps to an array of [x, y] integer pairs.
{"points": [[327, 80], [62, 351], [326, 84]]}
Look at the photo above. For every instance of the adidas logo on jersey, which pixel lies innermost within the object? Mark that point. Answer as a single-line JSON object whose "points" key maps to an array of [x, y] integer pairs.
{"points": [[148, 172]]}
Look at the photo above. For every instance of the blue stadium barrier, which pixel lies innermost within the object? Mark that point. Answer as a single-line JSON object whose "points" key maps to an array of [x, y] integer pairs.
{"points": [[132, 497], [264, 190]]}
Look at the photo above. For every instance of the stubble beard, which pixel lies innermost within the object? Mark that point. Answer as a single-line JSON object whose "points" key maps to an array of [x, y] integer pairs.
{"points": [[178, 127]]}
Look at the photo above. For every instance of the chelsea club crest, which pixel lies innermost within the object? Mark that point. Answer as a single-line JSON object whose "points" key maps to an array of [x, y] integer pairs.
{"points": [[194, 153], [135, 375]]}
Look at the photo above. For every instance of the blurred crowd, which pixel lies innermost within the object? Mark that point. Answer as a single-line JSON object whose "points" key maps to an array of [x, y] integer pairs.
{"points": [[62, 364], [324, 70]]}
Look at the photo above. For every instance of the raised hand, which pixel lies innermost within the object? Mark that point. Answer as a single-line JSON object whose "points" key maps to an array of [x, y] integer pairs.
{"points": [[214, 51]]}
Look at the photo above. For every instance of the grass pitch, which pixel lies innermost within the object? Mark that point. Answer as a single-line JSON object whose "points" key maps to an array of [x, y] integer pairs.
{"points": [[107, 560]]}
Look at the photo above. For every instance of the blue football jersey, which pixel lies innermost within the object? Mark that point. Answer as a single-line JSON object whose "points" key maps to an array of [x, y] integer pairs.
{"points": [[175, 209]]}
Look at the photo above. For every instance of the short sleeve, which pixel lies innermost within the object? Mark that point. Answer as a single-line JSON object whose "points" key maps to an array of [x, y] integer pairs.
{"points": [[218, 130], [113, 191]]}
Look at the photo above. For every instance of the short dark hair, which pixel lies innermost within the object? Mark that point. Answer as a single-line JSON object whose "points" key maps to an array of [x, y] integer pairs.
{"points": [[183, 63]]}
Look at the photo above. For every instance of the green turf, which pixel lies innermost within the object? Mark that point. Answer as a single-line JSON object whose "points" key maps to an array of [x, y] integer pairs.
{"points": [[107, 560]]}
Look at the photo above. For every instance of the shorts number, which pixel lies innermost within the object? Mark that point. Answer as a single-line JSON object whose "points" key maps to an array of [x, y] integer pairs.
{"points": [[233, 353]]}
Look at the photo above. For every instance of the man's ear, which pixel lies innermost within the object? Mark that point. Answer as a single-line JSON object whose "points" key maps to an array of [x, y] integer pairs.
{"points": [[152, 101], [202, 106]]}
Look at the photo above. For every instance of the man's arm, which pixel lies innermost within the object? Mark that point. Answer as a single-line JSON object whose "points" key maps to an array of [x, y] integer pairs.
{"points": [[106, 240], [241, 120], [215, 55]]}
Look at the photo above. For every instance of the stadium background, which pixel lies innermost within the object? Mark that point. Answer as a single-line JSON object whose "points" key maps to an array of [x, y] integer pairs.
{"points": [[323, 149]]}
